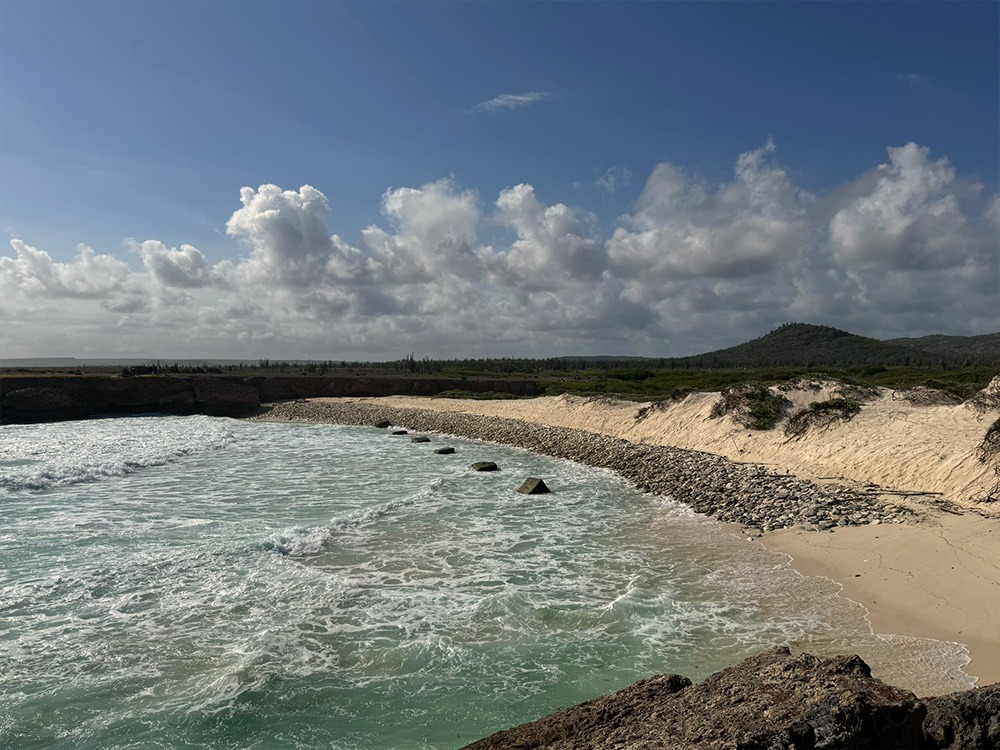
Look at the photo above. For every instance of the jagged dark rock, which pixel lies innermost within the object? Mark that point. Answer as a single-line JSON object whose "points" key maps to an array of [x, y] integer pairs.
{"points": [[485, 466], [533, 486], [774, 701], [969, 719]]}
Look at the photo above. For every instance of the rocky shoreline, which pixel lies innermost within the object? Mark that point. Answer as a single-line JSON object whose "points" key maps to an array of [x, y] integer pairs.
{"points": [[773, 700], [746, 494]]}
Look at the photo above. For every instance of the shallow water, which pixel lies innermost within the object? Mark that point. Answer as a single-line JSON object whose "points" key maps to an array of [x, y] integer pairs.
{"points": [[187, 581]]}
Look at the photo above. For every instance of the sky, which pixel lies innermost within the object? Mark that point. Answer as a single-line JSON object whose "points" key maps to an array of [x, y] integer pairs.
{"points": [[323, 180]]}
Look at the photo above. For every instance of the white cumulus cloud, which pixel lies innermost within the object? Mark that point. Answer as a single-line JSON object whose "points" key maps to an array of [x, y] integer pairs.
{"points": [[908, 247]]}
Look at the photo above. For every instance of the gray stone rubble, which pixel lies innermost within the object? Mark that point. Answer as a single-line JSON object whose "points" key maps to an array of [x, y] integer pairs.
{"points": [[740, 493]]}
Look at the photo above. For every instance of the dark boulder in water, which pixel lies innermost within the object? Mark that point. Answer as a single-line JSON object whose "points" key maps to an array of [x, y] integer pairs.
{"points": [[420, 439], [533, 486], [776, 701], [445, 451], [383, 424], [399, 432], [485, 466]]}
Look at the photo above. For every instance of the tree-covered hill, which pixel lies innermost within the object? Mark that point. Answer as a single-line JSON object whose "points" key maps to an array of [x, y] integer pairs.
{"points": [[805, 345], [973, 348]]}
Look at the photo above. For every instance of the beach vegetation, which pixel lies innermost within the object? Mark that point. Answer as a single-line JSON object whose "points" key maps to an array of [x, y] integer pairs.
{"points": [[752, 405], [822, 414], [476, 395], [989, 448]]}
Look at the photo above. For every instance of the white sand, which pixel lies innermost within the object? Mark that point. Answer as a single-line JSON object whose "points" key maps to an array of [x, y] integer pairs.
{"points": [[939, 578]]}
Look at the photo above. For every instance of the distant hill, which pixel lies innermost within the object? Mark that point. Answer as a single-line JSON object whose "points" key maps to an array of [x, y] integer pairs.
{"points": [[805, 345], [986, 346]]}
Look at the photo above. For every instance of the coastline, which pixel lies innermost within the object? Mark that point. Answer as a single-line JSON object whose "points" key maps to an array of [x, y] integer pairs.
{"points": [[923, 565]]}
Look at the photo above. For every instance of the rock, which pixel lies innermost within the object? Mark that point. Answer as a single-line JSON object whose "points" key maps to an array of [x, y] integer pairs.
{"points": [[46, 403], [533, 486], [383, 424], [225, 398], [399, 432], [420, 439], [445, 451], [970, 719], [485, 466], [775, 701]]}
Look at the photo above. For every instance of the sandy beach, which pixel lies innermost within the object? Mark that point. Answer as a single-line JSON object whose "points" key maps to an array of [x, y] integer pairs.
{"points": [[937, 576]]}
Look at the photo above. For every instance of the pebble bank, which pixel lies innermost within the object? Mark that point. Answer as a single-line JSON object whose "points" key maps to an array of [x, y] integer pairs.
{"points": [[747, 494]]}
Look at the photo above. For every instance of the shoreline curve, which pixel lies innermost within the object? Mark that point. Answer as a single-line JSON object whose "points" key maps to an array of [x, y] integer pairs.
{"points": [[916, 569]]}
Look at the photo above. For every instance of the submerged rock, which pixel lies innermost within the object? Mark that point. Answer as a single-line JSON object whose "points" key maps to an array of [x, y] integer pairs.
{"points": [[485, 466], [445, 451], [420, 439], [399, 432]]}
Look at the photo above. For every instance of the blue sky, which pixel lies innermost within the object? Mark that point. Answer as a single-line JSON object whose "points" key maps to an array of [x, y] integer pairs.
{"points": [[650, 178]]}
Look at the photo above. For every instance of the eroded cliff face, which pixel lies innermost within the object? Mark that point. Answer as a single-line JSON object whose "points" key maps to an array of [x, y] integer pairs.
{"points": [[774, 701], [29, 398]]}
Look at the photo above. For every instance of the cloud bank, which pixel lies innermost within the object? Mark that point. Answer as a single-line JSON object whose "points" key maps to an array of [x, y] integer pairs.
{"points": [[907, 248]]}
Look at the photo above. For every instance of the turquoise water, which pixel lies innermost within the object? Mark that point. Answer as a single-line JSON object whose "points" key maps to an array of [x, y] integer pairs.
{"points": [[181, 582]]}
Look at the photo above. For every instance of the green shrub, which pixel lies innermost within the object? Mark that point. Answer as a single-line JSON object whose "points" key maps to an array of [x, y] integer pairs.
{"points": [[751, 405], [476, 395]]}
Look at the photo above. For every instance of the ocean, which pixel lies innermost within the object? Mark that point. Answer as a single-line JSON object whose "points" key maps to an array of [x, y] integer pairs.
{"points": [[185, 582]]}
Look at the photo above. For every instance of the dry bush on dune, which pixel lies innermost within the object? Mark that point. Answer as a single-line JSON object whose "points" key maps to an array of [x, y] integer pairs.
{"points": [[923, 395], [989, 448], [822, 414], [987, 399]]}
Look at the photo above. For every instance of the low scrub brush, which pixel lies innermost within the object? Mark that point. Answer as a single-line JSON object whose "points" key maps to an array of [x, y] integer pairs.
{"points": [[751, 405], [822, 414]]}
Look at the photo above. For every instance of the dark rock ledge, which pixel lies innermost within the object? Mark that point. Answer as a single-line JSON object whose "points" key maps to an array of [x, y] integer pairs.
{"points": [[739, 493], [774, 701]]}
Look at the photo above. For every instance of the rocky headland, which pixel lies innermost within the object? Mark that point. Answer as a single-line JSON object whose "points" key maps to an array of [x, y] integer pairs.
{"points": [[52, 398]]}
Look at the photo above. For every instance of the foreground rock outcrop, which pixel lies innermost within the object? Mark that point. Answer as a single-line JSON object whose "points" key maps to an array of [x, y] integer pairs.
{"points": [[774, 701]]}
